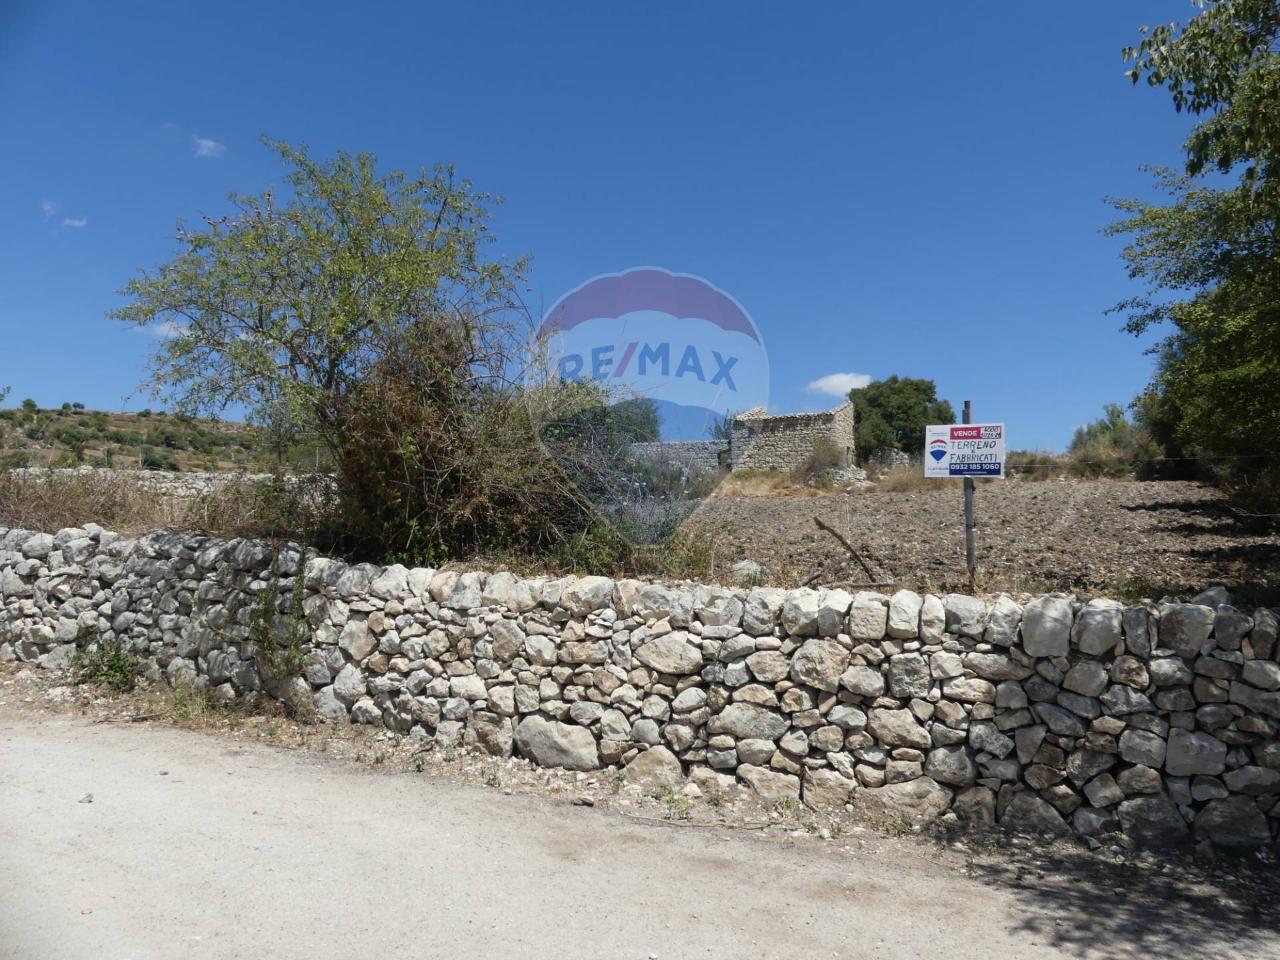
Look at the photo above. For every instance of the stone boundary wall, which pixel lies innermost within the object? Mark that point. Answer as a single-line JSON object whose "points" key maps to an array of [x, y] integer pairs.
{"points": [[167, 482], [701, 455], [1051, 716]]}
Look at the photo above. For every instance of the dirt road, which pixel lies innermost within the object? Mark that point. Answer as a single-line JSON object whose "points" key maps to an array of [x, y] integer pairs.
{"points": [[198, 847]]}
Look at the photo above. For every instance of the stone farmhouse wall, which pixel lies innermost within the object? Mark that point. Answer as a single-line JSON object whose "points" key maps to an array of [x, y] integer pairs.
{"points": [[1051, 716], [760, 442], [700, 455]]}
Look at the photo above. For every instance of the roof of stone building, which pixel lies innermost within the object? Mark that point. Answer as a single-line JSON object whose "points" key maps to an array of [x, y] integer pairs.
{"points": [[760, 413]]}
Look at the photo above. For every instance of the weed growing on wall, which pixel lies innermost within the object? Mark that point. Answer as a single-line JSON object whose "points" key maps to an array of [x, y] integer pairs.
{"points": [[279, 641], [107, 663]]}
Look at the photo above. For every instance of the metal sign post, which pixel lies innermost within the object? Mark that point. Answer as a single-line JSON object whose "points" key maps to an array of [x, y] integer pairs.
{"points": [[965, 450], [970, 563]]}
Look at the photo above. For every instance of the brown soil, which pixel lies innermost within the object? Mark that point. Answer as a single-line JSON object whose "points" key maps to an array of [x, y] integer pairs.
{"points": [[1127, 539]]}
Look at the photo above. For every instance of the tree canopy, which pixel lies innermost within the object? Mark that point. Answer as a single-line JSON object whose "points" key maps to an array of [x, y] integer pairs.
{"points": [[892, 414], [282, 305], [359, 307], [1210, 257]]}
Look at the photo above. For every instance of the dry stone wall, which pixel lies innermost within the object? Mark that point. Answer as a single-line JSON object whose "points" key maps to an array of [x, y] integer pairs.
{"points": [[1050, 717], [165, 482], [703, 455]]}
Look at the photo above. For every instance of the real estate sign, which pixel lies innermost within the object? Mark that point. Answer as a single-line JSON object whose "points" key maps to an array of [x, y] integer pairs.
{"points": [[964, 450]]}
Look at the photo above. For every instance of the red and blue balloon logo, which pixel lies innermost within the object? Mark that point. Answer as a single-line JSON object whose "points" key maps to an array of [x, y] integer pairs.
{"points": [[938, 448], [671, 338]]}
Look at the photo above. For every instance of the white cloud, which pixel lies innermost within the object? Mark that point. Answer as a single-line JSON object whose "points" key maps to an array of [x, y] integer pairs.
{"points": [[204, 147], [48, 208], [76, 222], [164, 330], [839, 384]]}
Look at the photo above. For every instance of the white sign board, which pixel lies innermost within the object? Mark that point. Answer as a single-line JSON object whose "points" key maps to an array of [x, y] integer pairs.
{"points": [[964, 450]]}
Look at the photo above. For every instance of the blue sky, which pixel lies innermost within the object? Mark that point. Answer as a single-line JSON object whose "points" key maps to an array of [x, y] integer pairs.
{"points": [[884, 191]]}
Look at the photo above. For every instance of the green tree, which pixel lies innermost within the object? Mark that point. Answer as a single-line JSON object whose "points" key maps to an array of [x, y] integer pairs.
{"points": [[892, 414], [359, 308], [1210, 258]]}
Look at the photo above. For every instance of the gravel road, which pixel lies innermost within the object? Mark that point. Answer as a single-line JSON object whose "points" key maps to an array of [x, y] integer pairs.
{"points": [[193, 846]]}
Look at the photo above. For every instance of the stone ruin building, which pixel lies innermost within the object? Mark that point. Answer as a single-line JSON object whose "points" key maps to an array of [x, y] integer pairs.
{"points": [[758, 441]]}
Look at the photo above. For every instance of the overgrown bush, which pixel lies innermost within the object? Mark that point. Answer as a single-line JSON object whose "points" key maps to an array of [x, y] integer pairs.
{"points": [[279, 638], [108, 663], [818, 465]]}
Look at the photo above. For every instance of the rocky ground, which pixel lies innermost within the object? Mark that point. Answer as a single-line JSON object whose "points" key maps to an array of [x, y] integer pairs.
{"points": [[1118, 538], [103, 795]]}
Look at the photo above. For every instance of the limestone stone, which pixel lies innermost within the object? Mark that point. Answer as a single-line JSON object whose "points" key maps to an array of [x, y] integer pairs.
{"points": [[916, 801], [549, 743], [671, 653], [654, 771], [1266, 625], [1098, 628], [1263, 674], [1169, 672], [819, 663], [768, 666], [951, 765], [1102, 791], [1138, 631], [1139, 779], [1002, 627], [897, 728], [768, 785], [1185, 627], [1046, 627], [904, 614], [863, 681], [985, 737], [832, 607], [349, 685], [848, 717], [827, 789], [933, 619], [1028, 813], [967, 616], [1253, 780], [745, 720], [1191, 753], [760, 612], [328, 707], [1233, 822], [587, 594], [1230, 626], [969, 690], [1087, 678], [909, 676], [1142, 746], [800, 611], [357, 640], [975, 806], [868, 618]]}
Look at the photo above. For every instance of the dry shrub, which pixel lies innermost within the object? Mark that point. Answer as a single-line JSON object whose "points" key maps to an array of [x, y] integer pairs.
{"points": [[294, 508], [816, 469], [906, 479], [763, 483], [437, 462], [54, 501]]}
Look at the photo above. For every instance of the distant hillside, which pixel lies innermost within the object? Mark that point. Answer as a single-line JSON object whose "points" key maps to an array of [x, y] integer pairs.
{"points": [[70, 436]]}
